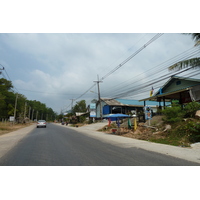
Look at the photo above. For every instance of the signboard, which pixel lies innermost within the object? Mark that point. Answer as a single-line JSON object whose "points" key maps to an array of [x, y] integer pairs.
{"points": [[92, 106], [148, 112], [11, 119], [93, 114]]}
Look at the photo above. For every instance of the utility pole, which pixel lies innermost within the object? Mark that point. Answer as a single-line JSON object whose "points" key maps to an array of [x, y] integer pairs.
{"points": [[72, 104], [99, 96], [25, 111], [15, 106], [32, 114], [36, 115], [29, 114]]}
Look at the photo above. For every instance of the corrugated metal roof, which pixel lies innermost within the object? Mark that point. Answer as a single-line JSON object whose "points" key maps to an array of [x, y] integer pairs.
{"points": [[129, 102], [139, 103]]}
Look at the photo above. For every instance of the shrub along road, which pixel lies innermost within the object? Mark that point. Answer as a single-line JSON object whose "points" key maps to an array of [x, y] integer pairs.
{"points": [[59, 145]]}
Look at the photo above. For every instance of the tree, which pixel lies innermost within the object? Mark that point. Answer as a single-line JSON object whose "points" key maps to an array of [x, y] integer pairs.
{"points": [[80, 106], [7, 98], [7, 104], [94, 101], [193, 62]]}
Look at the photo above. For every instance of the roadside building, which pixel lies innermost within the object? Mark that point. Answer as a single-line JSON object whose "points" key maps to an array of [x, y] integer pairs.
{"points": [[123, 106], [180, 89]]}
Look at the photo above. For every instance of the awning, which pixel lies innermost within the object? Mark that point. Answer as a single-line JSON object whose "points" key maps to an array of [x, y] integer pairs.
{"points": [[117, 116], [168, 95]]}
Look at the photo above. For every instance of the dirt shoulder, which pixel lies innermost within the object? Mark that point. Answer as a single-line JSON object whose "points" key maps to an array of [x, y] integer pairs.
{"points": [[9, 139], [9, 127]]}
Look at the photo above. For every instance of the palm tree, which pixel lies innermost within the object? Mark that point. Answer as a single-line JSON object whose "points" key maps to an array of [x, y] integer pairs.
{"points": [[193, 62]]}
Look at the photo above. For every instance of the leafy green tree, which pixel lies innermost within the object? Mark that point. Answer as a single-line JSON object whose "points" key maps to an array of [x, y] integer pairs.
{"points": [[8, 99], [94, 101], [80, 106], [2, 103], [193, 62]]}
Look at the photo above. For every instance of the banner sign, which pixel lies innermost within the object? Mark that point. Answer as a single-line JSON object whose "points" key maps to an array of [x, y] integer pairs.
{"points": [[93, 114], [148, 112], [11, 119]]}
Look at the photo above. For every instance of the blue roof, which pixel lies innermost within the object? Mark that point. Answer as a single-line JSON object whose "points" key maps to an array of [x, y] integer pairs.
{"points": [[141, 103]]}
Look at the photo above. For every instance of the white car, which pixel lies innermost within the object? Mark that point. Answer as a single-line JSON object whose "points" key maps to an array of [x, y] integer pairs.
{"points": [[41, 123]]}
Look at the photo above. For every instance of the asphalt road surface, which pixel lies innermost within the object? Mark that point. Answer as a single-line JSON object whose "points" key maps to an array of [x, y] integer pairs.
{"points": [[62, 146]]}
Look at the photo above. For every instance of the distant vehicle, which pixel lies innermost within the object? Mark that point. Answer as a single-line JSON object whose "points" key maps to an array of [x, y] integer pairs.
{"points": [[41, 123]]}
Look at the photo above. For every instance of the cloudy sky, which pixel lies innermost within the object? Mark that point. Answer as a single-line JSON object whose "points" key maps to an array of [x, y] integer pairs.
{"points": [[55, 68], [54, 51]]}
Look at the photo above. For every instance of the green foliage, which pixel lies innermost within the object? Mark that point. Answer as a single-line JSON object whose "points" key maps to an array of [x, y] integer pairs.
{"points": [[80, 106], [193, 62], [176, 113], [190, 129], [82, 119], [8, 99], [191, 108], [187, 131], [173, 114]]}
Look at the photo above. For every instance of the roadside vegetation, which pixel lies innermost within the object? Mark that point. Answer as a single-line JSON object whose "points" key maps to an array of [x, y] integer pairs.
{"points": [[185, 128], [176, 126], [7, 127], [12, 103]]}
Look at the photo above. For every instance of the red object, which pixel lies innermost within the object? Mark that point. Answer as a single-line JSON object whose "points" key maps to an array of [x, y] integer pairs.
{"points": [[109, 121]]}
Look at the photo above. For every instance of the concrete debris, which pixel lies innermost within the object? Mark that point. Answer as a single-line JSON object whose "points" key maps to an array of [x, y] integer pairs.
{"points": [[197, 114], [167, 127]]}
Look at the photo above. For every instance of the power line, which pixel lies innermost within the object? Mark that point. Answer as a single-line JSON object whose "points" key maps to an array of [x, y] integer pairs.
{"points": [[130, 57], [164, 77], [153, 73], [125, 61], [161, 66], [106, 68], [8, 77]]}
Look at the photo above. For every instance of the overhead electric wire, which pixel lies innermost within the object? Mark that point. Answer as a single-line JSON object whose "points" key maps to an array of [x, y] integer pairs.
{"points": [[161, 68], [164, 77], [124, 62], [141, 92], [8, 77], [111, 65], [130, 57], [62, 94], [153, 73]]}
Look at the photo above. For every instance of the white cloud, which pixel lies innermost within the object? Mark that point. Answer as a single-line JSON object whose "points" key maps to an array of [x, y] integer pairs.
{"points": [[64, 66]]}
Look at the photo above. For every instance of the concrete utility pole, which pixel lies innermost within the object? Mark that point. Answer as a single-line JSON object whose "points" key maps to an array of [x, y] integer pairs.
{"points": [[36, 115], [32, 114], [15, 106], [99, 96], [29, 114], [72, 104], [25, 111]]}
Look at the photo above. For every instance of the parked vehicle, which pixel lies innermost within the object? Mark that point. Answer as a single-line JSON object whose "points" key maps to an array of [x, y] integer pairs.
{"points": [[41, 123]]}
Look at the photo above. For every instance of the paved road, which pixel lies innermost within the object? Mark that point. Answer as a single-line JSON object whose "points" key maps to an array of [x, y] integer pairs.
{"points": [[61, 146]]}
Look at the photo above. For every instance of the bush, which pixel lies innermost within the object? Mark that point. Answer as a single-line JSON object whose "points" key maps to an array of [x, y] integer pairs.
{"points": [[191, 108], [173, 114], [190, 129], [82, 119]]}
